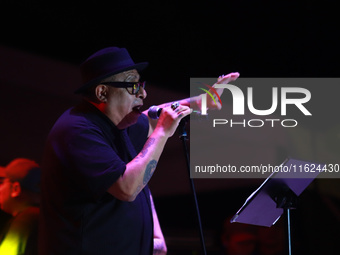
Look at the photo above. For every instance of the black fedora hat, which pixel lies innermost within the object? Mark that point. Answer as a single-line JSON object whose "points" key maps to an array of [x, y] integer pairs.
{"points": [[104, 63]]}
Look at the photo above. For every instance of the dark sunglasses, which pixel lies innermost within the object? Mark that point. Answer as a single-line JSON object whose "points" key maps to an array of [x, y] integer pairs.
{"points": [[135, 86]]}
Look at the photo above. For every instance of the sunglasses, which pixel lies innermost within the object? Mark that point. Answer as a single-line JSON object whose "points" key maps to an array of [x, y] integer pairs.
{"points": [[134, 86]]}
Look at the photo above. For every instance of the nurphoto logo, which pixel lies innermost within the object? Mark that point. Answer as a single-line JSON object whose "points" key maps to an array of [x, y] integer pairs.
{"points": [[204, 98], [239, 105]]}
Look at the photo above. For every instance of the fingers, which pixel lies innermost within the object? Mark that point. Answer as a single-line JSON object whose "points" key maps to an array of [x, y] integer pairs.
{"points": [[182, 111], [217, 92], [178, 111], [174, 105], [224, 79], [170, 118]]}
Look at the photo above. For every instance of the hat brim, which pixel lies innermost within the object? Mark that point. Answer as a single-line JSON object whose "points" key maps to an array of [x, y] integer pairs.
{"points": [[139, 67]]}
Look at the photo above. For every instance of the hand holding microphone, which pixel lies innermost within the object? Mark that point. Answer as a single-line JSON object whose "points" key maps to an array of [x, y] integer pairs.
{"points": [[154, 112], [169, 117]]}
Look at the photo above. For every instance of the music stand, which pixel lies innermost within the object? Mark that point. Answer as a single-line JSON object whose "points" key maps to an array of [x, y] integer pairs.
{"points": [[278, 194]]}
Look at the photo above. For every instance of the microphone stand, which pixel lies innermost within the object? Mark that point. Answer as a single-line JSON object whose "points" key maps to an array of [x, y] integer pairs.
{"points": [[184, 137]]}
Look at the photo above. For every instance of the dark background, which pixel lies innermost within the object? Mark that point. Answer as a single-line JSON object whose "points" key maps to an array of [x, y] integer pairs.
{"points": [[182, 40]]}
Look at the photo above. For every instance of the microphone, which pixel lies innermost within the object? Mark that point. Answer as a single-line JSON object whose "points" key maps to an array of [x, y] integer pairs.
{"points": [[154, 112]]}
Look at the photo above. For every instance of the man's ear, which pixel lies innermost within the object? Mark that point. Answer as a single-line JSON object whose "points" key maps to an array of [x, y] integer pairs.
{"points": [[101, 92], [16, 189]]}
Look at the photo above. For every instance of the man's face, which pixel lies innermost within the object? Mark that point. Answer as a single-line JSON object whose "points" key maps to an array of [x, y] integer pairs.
{"points": [[122, 107], [241, 244], [5, 194]]}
